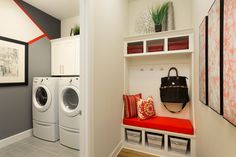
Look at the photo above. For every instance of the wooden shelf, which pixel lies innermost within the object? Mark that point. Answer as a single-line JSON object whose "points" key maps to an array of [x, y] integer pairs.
{"points": [[187, 52], [160, 34], [168, 43]]}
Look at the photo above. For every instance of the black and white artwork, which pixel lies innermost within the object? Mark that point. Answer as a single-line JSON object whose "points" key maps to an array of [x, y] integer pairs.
{"points": [[9, 62], [13, 62]]}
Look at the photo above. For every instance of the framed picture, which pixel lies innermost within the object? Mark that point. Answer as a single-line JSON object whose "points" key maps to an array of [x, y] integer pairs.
{"points": [[229, 61], [215, 58], [13, 62], [203, 53]]}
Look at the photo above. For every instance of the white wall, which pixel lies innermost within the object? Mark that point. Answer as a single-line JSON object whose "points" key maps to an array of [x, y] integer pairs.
{"points": [[67, 24], [15, 23], [109, 26], [182, 8], [215, 136]]}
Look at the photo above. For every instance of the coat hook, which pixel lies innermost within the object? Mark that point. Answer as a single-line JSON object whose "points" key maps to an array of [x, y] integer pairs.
{"points": [[141, 69], [151, 69]]}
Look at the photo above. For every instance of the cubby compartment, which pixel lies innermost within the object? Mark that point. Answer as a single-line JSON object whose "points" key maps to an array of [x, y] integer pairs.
{"points": [[154, 140], [156, 45], [178, 43], [135, 47], [133, 136], [179, 145]]}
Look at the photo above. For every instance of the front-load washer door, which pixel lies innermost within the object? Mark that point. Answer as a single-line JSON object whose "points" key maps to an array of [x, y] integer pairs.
{"points": [[70, 101], [42, 98]]}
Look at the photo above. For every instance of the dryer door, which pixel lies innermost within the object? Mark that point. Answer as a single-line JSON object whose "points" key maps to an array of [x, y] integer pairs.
{"points": [[41, 98], [70, 101]]}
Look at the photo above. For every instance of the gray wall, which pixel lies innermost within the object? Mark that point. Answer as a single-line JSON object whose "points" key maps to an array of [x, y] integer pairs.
{"points": [[49, 24], [15, 102]]}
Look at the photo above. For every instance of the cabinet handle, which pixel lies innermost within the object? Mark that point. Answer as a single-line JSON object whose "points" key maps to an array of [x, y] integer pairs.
{"points": [[63, 69]]}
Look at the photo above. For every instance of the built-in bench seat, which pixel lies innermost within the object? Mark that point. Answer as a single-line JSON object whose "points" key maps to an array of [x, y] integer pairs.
{"points": [[183, 126]]}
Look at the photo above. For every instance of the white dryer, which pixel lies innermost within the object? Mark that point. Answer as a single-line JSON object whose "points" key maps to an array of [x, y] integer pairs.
{"points": [[69, 111], [45, 108]]}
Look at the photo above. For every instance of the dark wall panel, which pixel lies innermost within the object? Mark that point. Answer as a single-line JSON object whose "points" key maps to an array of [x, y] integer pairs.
{"points": [[15, 102]]}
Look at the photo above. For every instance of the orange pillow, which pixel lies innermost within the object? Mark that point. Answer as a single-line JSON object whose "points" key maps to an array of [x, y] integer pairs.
{"points": [[146, 108], [130, 105]]}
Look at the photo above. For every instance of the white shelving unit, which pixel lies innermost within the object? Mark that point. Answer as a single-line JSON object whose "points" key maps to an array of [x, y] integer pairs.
{"points": [[143, 73]]}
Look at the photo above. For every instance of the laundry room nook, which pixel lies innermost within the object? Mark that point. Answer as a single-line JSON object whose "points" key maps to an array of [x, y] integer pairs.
{"points": [[117, 78], [40, 70]]}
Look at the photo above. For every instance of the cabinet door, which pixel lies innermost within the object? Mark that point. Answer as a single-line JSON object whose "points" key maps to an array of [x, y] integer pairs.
{"points": [[56, 55], [67, 60], [77, 56]]}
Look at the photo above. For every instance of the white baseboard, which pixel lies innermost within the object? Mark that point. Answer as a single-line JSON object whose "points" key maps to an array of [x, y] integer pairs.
{"points": [[15, 138], [117, 149]]}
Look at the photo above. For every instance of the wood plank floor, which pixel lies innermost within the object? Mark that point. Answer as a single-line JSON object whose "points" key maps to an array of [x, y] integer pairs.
{"points": [[131, 153]]}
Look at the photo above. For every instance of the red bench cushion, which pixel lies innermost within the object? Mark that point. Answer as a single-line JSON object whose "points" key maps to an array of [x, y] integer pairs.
{"points": [[163, 123]]}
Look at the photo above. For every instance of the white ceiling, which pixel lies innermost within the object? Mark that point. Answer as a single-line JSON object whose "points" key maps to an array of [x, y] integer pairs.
{"points": [[60, 9]]}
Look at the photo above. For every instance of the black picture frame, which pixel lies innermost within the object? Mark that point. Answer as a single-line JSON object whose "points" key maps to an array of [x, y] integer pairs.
{"points": [[217, 65], [203, 61], [228, 76], [16, 52]]}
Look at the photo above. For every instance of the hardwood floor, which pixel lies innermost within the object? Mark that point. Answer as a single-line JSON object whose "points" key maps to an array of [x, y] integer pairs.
{"points": [[131, 153]]}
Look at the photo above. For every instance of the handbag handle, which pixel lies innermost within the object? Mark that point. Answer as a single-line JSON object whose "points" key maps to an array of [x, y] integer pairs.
{"points": [[183, 106], [173, 68]]}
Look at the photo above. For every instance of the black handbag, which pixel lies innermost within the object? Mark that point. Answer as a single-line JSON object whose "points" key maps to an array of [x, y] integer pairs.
{"points": [[174, 89]]}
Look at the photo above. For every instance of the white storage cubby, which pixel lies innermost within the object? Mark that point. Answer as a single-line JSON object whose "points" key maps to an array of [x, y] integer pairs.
{"points": [[161, 137], [65, 56], [143, 71]]}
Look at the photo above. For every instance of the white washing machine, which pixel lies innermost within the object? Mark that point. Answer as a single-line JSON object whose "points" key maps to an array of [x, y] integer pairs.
{"points": [[45, 108], [69, 111]]}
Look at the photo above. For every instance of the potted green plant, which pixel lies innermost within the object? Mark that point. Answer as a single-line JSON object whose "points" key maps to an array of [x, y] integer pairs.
{"points": [[76, 30], [158, 15]]}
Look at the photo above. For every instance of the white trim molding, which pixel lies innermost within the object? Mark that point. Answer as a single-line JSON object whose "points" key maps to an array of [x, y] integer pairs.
{"points": [[86, 68], [117, 149], [15, 138]]}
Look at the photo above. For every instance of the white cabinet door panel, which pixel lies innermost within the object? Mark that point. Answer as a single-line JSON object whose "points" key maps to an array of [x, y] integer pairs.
{"points": [[65, 56]]}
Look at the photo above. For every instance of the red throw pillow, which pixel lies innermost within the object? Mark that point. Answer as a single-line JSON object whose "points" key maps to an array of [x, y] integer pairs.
{"points": [[146, 108], [130, 105]]}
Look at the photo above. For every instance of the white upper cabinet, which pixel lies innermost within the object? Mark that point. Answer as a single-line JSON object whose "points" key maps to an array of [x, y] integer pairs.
{"points": [[65, 56]]}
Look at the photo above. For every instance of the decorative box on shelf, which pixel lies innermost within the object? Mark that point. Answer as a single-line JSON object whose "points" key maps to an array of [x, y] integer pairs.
{"points": [[135, 47], [178, 43], [155, 45], [133, 136], [179, 145], [155, 140]]}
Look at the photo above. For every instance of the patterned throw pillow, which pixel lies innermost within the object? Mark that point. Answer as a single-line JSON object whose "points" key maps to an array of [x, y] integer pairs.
{"points": [[146, 108], [130, 105]]}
